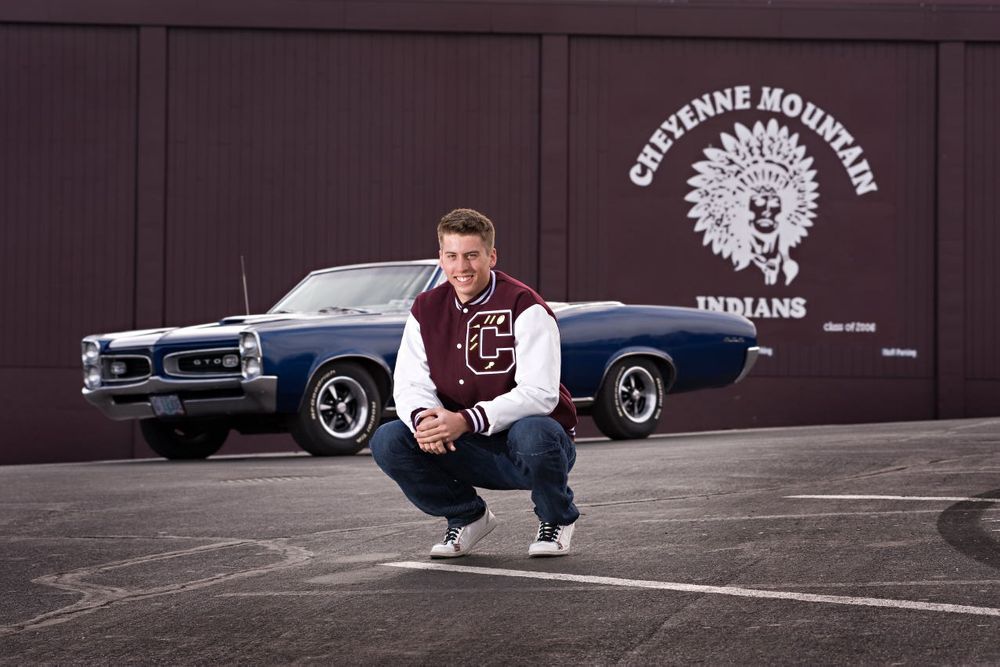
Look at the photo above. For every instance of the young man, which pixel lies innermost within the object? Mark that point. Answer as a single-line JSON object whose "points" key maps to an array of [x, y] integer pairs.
{"points": [[479, 399]]}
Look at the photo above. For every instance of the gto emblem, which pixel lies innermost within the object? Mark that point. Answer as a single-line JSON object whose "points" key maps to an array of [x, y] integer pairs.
{"points": [[228, 361]]}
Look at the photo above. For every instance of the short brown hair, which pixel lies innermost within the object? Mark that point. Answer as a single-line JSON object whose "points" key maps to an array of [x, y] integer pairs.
{"points": [[466, 221]]}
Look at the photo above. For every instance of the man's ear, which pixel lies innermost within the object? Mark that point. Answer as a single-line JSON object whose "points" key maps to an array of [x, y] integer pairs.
{"points": [[493, 257]]}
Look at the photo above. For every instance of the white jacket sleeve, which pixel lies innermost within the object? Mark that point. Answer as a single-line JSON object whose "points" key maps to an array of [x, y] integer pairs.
{"points": [[413, 389], [538, 358]]}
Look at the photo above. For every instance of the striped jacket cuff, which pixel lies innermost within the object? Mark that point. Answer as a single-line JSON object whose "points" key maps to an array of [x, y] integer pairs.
{"points": [[413, 417], [476, 418]]}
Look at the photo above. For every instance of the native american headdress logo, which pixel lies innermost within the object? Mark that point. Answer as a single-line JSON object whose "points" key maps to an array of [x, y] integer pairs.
{"points": [[755, 198]]}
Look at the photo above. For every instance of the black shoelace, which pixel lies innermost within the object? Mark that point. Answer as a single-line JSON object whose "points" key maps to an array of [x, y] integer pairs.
{"points": [[548, 532], [451, 535]]}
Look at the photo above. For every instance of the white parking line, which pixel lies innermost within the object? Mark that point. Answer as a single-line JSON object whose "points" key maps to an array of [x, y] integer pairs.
{"points": [[698, 588], [948, 499], [772, 517]]}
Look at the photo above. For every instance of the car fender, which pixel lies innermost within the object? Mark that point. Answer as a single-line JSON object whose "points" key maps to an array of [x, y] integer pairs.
{"points": [[664, 361], [370, 361]]}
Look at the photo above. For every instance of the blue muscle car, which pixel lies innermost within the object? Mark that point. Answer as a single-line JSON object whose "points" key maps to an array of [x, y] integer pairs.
{"points": [[319, 364]]}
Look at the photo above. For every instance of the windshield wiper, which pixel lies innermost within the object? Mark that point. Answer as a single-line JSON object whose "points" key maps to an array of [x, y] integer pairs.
{"points": [[343, 309]]}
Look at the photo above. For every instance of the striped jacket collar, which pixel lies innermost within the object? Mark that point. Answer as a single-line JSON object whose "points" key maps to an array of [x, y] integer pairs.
{"points": [[483, 296]]}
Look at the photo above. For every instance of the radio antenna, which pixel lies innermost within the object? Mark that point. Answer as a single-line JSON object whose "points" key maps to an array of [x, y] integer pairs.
{"points": [[246, 294]]}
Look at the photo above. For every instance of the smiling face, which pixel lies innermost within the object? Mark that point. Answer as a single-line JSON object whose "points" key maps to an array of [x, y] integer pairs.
{"points": [[466, 262]]}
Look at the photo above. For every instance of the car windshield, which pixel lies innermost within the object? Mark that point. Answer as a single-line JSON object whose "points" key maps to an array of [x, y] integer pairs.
{"points": [[372, 289]]}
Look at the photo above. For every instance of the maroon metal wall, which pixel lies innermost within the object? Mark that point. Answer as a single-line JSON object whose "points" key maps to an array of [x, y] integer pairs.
{"points": [[304, 150], [857, 317], [982, 234], [67, 207], [144, 147]]}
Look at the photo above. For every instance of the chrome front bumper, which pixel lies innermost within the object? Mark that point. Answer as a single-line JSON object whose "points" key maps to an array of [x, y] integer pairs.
{"points": [[200, 397], [748, 362]]}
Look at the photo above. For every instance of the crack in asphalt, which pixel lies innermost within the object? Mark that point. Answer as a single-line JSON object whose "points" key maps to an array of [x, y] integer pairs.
{"points": [[960, 525], [98, 596]]}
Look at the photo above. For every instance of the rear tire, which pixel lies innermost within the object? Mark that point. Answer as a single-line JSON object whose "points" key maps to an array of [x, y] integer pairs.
{"points": [[630, 401], [341, 410], [183, 440]]}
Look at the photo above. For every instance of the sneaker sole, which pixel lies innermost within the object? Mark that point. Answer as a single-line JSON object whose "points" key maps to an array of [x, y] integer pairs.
{"points": [[548, 554], [459, 554]]}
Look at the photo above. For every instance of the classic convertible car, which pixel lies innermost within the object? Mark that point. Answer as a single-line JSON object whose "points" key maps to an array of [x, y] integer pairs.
{"points": [[319, 364]]}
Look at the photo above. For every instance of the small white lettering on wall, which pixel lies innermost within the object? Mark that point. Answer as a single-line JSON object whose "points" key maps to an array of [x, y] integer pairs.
{"points": [[850, 327], [755, 307], [899, 352]]}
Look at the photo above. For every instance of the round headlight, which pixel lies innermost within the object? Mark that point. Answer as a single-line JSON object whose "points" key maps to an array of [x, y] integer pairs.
{"points": [[91, 351], [92, 377], [248, 345], [251, 368]]}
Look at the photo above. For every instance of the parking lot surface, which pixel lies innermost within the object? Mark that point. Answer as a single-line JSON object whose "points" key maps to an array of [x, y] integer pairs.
{"points": [[875, 544]]}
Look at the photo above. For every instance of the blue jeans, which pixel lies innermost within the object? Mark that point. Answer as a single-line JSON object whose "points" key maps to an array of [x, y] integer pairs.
{"points": [[534, 454]]}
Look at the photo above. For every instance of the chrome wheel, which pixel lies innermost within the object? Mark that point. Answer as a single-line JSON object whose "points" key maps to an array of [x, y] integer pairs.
{"points": [[340, 411], [637, 394], [342, 406]]}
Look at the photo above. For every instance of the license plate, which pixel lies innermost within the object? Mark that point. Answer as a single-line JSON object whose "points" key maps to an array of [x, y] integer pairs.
{"points": [[168, 405]]}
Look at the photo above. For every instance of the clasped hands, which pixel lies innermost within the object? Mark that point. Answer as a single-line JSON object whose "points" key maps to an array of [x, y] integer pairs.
{"points": [[438, 428]]}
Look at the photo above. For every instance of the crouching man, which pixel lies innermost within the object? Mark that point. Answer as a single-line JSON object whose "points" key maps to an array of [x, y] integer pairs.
{"points": [[479, 399]]}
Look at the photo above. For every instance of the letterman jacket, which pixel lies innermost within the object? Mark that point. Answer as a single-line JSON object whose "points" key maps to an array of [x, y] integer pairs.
{"points": [[495, 359]]}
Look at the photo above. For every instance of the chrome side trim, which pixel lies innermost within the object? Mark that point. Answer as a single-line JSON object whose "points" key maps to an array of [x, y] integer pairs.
{"points": [[751, 359], [171, 367]]}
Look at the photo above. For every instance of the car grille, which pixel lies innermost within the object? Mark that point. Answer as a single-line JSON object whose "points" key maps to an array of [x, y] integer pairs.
{"points": [[222, 362], [125, 368]]}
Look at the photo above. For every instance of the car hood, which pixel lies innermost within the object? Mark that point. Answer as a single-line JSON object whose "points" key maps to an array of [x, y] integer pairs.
{"points": [[226, 331]]}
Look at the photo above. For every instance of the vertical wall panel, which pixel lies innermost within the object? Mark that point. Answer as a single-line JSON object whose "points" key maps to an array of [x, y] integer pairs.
{"points": [[982, 234], [67, 205], [867, 257], [305, 150], [982, 230], [950, 383], [67, 176]]}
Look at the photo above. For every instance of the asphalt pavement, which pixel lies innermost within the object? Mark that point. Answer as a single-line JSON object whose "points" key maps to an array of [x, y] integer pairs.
{"points": [[874, 544]]}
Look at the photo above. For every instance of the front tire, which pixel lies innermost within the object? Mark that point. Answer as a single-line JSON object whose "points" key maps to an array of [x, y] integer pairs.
{"points": [[630, 401], [183, 440], [341, 410]]}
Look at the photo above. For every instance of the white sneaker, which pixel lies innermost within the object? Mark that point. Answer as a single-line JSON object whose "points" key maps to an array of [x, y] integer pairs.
{"points": [[459, 541], [552, 540]]}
